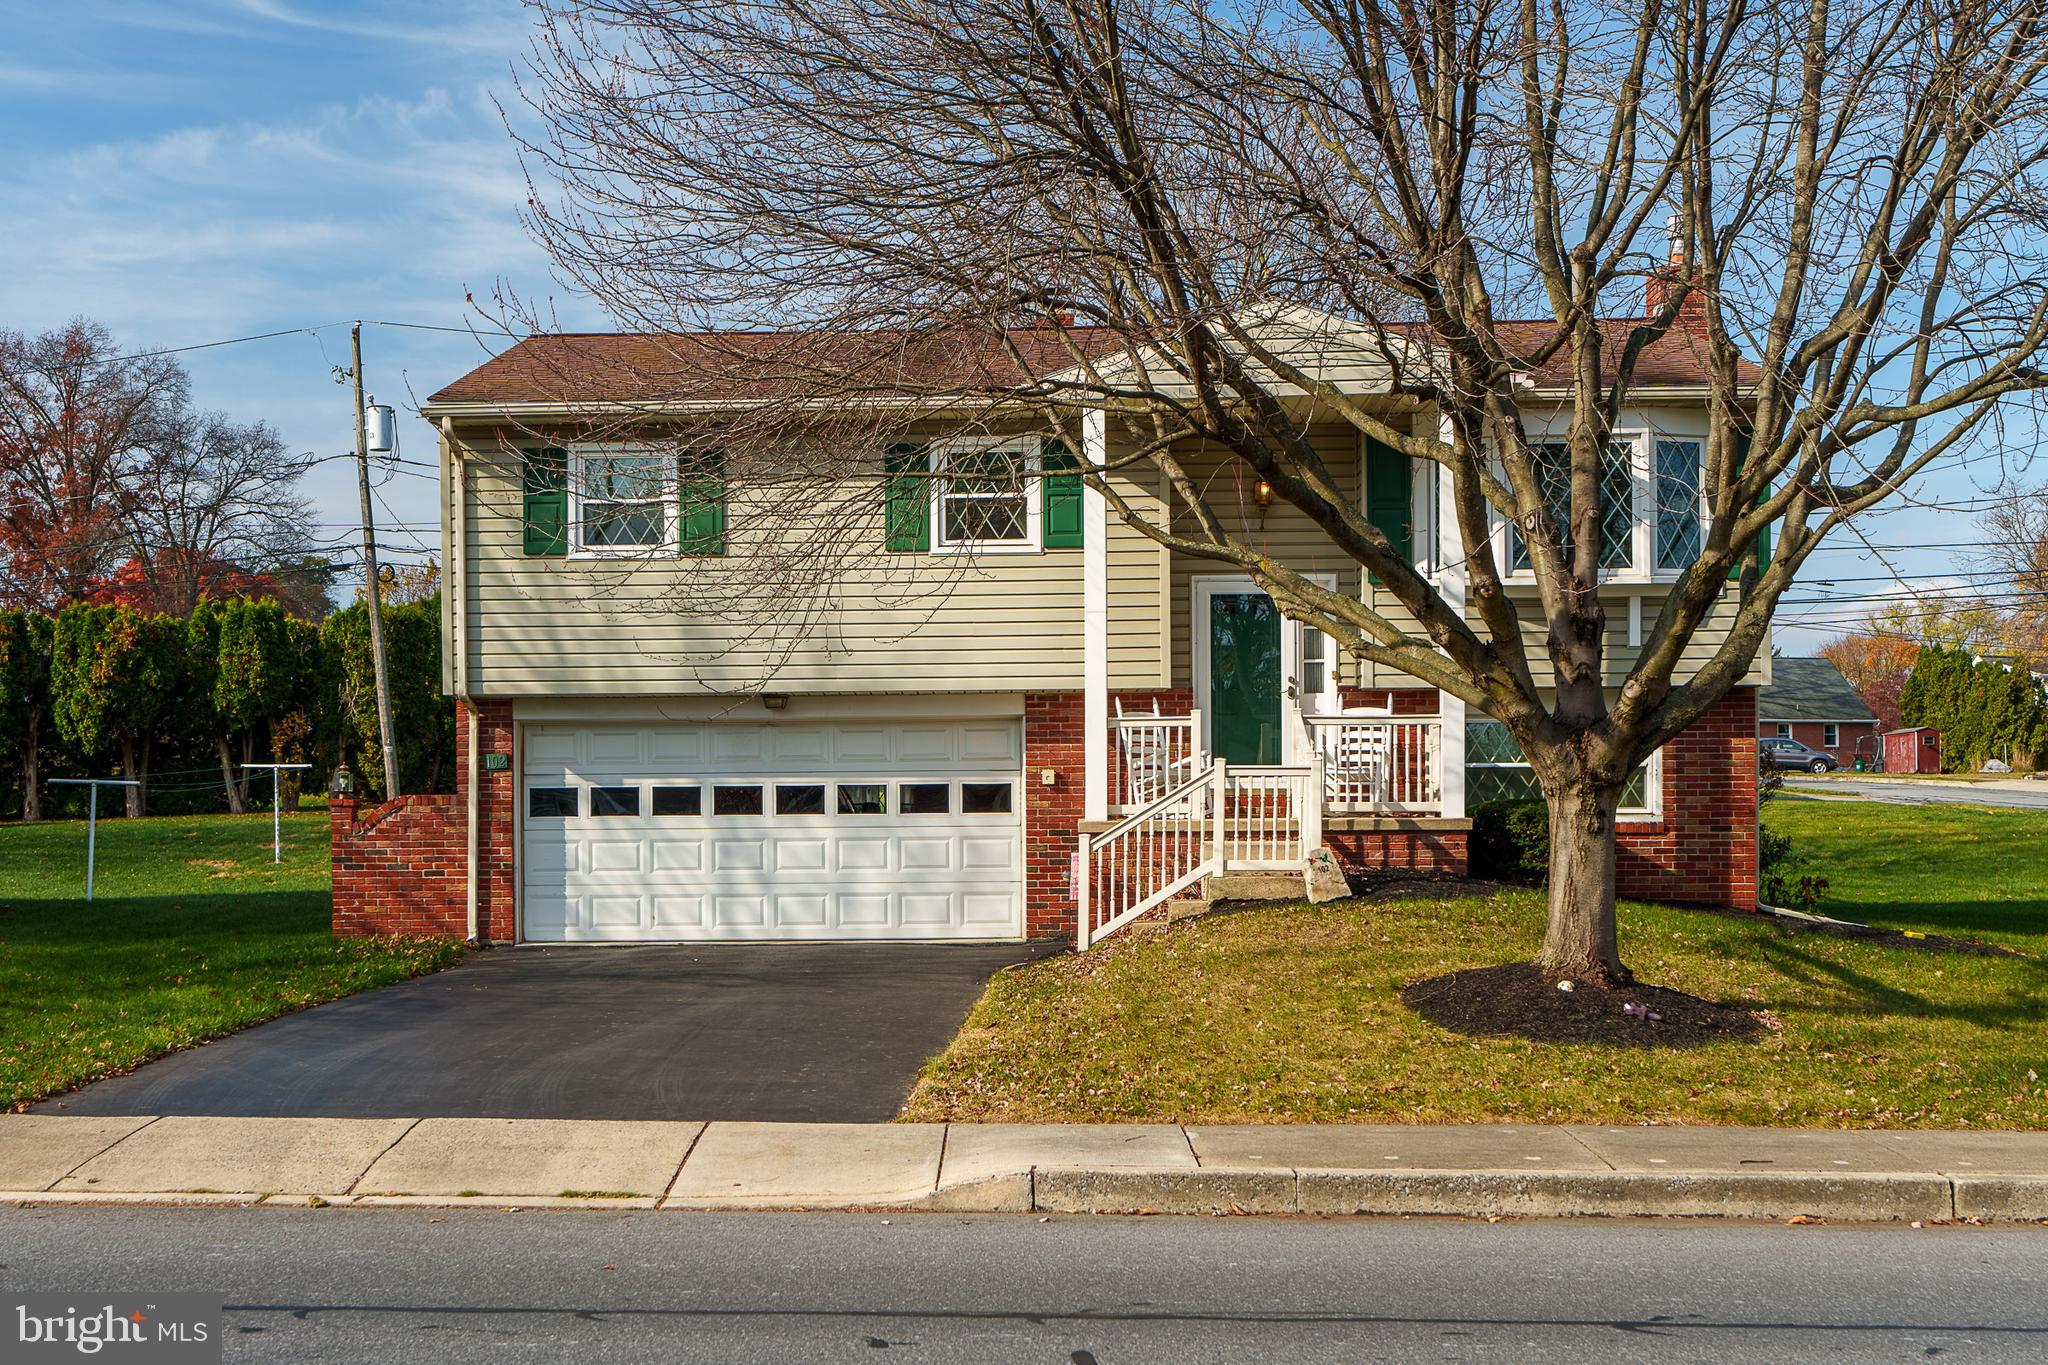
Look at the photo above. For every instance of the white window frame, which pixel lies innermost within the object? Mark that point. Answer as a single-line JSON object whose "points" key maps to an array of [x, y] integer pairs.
{"points": [[1029, 454], [579, 456], [1784, 730], [1647, 527], [1652, 809], [1830, 735], [1642, 442]]}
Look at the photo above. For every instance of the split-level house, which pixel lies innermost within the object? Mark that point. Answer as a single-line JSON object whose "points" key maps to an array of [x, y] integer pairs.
{"points": [[1019, 716]]}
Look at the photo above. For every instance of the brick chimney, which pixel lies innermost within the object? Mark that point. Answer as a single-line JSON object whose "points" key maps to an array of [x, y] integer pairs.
{"points": [[1664, 282]]}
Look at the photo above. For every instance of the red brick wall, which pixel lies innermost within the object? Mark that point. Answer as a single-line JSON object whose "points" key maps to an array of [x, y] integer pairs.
{"points": [[1703, 850], [398, 869], [402, 867], [497, 855], [1422, 850], [1812, 732], [1052, 815]]}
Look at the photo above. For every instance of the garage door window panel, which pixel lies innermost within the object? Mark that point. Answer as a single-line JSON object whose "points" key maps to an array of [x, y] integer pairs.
{"points": [[551, 803], [863, 798], [806, 798], [606, 801], [924, 798], [985, 798], [678, 801], [736, 800]]}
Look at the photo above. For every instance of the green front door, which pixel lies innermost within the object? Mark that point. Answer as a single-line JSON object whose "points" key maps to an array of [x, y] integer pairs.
{"points": [[1244, 677]]}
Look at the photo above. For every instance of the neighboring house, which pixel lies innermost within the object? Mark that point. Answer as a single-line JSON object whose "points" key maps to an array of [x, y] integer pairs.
{"points": [[1809, 700], [923, 764]]}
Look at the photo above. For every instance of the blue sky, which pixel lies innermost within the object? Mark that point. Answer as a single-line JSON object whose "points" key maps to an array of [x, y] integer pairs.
{"points": [[208, 169], [214, 168]]}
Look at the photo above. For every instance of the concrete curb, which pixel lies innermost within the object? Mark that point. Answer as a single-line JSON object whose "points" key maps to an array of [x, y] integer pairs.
{"points": [[1466, 1171], [1773, 1196]]}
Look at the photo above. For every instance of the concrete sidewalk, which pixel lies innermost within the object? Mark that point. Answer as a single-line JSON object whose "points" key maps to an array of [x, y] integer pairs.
{"points": [[1159, 1168]]}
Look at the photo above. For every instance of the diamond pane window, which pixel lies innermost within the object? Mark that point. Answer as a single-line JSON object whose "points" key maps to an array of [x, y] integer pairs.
{"points": [[1678, 503], [624, 501], [1617, 502], [1617, 506], [1495, 770], [983, 499]]}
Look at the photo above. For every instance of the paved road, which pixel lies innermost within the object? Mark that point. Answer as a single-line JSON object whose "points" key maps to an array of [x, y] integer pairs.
{"points": [[2025, 794], [773, 1032], [453, 1286]]}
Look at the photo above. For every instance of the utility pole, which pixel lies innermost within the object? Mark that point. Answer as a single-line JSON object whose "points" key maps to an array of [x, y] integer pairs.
{"points": [[371, 589]]}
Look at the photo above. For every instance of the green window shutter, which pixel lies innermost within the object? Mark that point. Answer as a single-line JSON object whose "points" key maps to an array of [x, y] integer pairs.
{"points": [[546, 509], [907, 515], [1061, 522], [700, 504], [1389, 495]]}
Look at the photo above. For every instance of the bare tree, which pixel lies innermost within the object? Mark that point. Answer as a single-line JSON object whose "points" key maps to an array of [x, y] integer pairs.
{"points": [[2015, 547], [1836, 210], [76, 419], [211, 507]]}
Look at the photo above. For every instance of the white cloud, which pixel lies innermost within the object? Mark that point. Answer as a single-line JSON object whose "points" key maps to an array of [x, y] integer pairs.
{"points": [[490, 27]]}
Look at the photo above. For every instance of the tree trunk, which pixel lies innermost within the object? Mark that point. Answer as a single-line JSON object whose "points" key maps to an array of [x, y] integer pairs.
{"points": [[1579, 943], [236, 804], [131, 797], [32, 769]]}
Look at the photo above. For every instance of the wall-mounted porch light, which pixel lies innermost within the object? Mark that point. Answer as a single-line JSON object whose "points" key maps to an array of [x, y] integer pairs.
{"points": [[1262, 494]]}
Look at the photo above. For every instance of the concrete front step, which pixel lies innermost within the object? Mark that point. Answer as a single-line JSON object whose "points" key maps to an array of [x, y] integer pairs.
{"points": [[1321, 880], [1278, 885]]}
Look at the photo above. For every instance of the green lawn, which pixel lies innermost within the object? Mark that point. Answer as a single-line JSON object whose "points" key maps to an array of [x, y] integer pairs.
{"points": [[1972, 871], [193, 934], [1290, 1014]]}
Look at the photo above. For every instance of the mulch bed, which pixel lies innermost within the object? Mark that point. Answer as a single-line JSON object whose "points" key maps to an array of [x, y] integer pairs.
{"points": [[1514, 1001]]}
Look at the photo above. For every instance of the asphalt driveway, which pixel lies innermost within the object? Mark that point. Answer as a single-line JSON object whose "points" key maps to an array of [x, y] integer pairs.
{"points": [[829, 1033]]}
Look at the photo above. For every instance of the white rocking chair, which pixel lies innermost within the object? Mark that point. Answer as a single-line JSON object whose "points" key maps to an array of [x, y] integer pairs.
{"points": [[1150, 768]]}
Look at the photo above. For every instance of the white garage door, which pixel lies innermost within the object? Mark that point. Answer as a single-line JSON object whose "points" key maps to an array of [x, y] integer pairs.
{"points": [[702, 832]]}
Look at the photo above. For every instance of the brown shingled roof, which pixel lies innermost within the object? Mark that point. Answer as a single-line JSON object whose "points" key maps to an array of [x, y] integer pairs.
{"points": [[713, 367], [708, 367]]}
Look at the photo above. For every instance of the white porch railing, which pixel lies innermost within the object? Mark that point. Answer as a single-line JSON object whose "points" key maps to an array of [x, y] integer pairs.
{"points": [[1145, 859], [1380, 763], [1269, 817], [1222, 819]]}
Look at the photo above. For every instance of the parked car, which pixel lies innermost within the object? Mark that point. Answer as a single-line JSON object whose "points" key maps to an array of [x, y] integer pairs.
{"points": [[1791, 754]]}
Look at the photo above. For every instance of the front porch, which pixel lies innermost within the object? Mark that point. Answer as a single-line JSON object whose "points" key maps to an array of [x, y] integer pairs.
{"points": [[1368, 760], [1363, 785], [1219, 736]]}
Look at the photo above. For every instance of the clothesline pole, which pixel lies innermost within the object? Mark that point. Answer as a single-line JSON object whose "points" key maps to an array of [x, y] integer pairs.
{"points": [[276, 803], [92, 818]]}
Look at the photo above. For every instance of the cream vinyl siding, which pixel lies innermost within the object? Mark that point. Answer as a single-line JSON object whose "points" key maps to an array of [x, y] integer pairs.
{"points": [[1137, 586], [1282, 531], [566, 626], [1619, 656]]}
